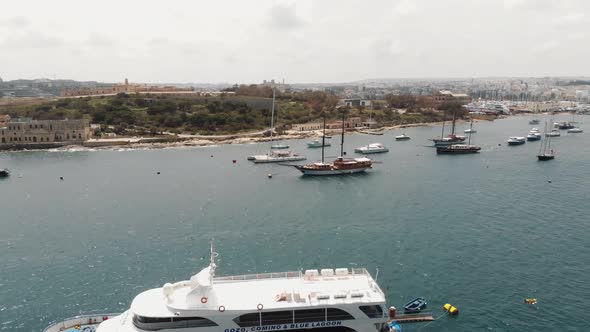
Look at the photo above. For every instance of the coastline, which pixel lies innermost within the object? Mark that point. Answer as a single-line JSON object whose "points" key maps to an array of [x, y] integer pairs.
{"points": [[149, 143]]}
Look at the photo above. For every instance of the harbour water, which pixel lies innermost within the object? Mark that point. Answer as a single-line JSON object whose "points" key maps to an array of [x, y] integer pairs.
{"points": [[481, 231]]}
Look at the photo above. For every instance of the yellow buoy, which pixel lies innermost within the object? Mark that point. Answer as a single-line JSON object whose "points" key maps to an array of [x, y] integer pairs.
{"points": [[530, 301], [452, 310]]}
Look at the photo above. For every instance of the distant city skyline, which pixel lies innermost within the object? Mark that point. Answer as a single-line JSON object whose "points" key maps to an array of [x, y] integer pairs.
{"points": [[302, 41]]}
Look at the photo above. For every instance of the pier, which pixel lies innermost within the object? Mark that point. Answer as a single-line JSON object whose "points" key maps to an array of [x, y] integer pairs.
{"points": [[414, 318]]}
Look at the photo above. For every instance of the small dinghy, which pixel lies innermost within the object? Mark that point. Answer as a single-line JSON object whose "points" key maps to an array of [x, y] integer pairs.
{"points": [[415, 305]]}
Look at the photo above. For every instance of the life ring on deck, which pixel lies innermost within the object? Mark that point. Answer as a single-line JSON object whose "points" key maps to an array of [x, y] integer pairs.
{"points": [[221, 308], [259, 306], [204, 299]]}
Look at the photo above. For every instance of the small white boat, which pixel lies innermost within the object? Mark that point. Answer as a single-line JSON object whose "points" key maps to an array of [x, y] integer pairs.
{"points": [[470, 131], [402, 137], [516, 140], [279, 146], [317, 144], [553, 133], [276, 157], [372, 148], [575, 130], [535, 130]]}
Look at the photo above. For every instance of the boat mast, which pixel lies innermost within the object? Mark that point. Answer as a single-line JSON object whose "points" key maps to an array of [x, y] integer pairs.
{"points": [[272, 116], [442, 134], [342, 138], [324, 139], [470, 132], [453, 127], [542, 149]]}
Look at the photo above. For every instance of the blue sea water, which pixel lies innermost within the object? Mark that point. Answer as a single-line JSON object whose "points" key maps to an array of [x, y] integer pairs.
{"points": [[482, 231]]}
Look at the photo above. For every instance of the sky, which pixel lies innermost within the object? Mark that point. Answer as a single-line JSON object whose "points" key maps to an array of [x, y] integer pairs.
{"points": [[303, 41]]}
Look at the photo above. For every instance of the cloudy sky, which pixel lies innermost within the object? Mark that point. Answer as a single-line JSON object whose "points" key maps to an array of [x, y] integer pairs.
{"points": [[300, 41]]}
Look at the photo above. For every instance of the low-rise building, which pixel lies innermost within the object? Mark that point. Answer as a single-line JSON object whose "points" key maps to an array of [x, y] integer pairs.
{"points": [[4, 119], [28, 132], [355, 102]]}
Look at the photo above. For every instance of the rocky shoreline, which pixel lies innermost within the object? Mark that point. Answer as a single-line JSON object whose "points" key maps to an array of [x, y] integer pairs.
{"points": [[143, 143]]}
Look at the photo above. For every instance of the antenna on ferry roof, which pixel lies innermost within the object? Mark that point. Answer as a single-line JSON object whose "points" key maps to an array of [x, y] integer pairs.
{"points": [[212, 259]]}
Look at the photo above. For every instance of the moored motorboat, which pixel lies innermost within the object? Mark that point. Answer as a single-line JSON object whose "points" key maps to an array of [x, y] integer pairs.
{"points": [[318, 144], [339, 299], [416, 305], [575, 130], [533, 136], [402, 137], [372, 148], [553, 133], [4, 172], [276, 157], [566, 125], [279, 146], [515, 140]]}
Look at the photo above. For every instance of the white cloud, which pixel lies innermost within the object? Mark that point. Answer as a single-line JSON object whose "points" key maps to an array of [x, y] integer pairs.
{"points": [[301, 41], [284, 16]]}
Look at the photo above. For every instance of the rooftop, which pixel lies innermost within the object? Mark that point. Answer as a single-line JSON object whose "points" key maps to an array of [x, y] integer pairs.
{"points": [[272, 290]]}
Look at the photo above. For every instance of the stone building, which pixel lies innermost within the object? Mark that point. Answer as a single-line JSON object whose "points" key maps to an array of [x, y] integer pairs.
{"points": [[4, 119], [28, 132]]}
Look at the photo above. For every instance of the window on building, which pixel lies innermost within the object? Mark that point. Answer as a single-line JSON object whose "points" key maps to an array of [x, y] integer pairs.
{"points": [[3, 140], [34, 138], [277, 317], [372, 311], [310, 315], [161, 323], [338, 314], [248, 320]]}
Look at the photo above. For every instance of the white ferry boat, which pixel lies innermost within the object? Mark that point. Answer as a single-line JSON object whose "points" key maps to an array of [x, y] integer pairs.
{"points": [[340, 300]]}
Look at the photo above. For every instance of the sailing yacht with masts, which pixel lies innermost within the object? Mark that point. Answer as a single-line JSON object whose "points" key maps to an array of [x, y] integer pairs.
{"points": [[545, 150], [451, 138], [275, 156], [339, 166], [459, 148]]}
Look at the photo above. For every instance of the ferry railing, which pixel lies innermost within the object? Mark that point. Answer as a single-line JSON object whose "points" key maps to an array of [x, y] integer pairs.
{"points": [[286, 275], [275, 275], [67, 323]]}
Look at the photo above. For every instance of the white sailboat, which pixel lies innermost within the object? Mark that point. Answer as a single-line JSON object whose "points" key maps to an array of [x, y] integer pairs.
{"points": [[274, 156]]}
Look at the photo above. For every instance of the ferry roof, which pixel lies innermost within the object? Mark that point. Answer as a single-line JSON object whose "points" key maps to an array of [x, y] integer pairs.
{"points": [[286, 290]]}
